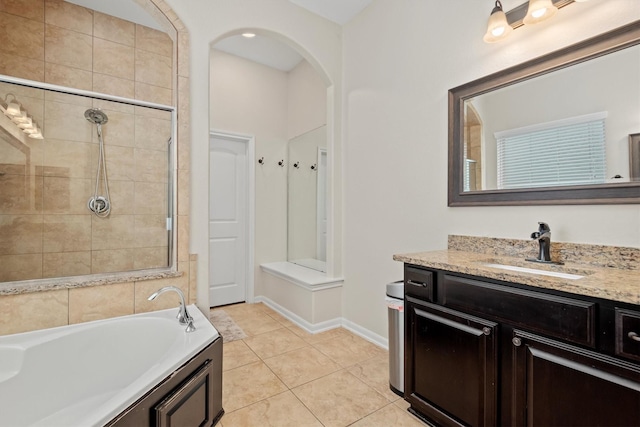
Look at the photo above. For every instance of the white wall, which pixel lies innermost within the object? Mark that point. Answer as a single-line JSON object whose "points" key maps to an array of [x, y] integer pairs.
{"points": [[251, 99], [207, 21], [400, 59]]}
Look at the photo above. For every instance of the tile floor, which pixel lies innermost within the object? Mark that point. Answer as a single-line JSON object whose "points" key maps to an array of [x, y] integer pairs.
{"points": [[281, 375]]}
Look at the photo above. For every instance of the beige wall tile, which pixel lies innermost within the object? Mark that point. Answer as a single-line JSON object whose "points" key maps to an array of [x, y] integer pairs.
{"points": [[152, 133], [64, 75], [112, 260], [100, 302], [153, 69], [21, 67], [113, 59], [183, 238], [151, 258], [183, 192], [150, 165], [153, 112], [68, 98], [69, 159], [21, 234], [67, 233], [193, 278], [119, 130], [110, 85], [114, 232], [150, 230], [63, 264], [183, 54], [20, 267], [66, 122], [164, 301], [114, 29], [20, 195], [120, 161], [156, 94], [38, 310], [150, 198], [153, 41], [67, 47], [67, 195], [69, 16], [27, 42], [122, 197], [31, 9]]}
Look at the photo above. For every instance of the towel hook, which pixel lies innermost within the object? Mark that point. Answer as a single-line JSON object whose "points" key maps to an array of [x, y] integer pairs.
{"points": [[261, 161], [296, 165], [281, 163], [314, 166]]}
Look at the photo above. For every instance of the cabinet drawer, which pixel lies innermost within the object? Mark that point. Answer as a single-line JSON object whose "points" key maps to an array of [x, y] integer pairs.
{"points": [[418, 283], [628, 333], [565, 318]]}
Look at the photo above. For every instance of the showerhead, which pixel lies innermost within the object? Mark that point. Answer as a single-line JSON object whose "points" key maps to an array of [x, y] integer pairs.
{"points": [[96, 116]]}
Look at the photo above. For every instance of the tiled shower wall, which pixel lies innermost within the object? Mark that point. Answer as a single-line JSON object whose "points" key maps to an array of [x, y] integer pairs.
{"points": [[46, 229], [60, 43]]}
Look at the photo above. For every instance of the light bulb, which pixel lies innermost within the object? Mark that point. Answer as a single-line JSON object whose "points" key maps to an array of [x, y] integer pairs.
{"points": [[538, 11], [498, 27]]}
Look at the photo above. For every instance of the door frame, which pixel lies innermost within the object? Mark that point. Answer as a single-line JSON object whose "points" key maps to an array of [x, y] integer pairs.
{"points": [[249, 140]]}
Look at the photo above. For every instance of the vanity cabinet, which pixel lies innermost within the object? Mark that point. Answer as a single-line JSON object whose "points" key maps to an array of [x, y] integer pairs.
{"points": [[482, 352], [190, 396]]}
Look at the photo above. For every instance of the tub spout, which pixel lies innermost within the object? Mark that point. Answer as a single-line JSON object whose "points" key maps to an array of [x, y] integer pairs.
{"points": [[183, 314]]}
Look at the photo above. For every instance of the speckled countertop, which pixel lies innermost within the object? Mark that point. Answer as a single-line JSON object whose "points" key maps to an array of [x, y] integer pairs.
{"points": [[597, 264]]}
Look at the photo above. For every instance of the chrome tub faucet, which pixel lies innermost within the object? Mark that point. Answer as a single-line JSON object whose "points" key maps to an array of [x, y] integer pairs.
{"points": [[183, 314]]}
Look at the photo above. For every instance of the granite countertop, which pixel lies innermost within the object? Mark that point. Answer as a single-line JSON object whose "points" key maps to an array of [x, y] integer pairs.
{"points": [[617, 284]]}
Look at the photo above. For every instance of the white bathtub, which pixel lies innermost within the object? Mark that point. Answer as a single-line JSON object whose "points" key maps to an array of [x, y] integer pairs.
{"points": [[86, 374]]}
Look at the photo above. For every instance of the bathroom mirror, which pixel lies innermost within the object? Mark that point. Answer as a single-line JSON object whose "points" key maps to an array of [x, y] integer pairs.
{"points": [[533, 110], [307, 195]]}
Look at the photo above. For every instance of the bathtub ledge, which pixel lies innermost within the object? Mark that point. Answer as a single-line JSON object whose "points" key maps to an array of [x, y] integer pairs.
{"points": [[41, 285]]}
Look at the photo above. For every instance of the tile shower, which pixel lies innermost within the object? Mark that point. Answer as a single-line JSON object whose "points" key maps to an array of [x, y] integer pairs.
{"points": [[60, 43], [45, 184]]}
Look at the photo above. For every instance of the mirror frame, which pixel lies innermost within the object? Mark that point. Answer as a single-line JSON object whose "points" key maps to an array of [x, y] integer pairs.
{"points": [[613, 193]]}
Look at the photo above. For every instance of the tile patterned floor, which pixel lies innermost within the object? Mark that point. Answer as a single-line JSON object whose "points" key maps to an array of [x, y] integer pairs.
{"points": [[281, 375]]}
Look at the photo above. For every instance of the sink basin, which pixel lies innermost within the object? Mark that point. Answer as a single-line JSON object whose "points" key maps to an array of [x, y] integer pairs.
{"points": [[536, 271]]}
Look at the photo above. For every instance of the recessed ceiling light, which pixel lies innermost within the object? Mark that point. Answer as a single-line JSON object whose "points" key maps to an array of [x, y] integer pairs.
{"points": [[248, 35]]}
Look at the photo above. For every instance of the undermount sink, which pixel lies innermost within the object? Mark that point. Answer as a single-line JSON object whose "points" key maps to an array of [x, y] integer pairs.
{"points": [[562, 275]]}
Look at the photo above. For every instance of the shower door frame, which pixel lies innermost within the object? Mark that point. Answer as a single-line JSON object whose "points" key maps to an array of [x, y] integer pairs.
{"points": [[171, 175]]}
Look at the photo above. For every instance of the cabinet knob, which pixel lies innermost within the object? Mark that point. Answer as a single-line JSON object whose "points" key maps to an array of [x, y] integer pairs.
{"points": [[516, 341], [486, 330], [634, 336]]}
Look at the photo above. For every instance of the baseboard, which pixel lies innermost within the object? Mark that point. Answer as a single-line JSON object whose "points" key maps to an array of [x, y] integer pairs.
{"points": [[315, 328]]}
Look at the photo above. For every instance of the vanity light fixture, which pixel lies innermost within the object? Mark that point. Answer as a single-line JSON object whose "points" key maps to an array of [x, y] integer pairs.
{"points": [[19, 116], [538, 11], [498, 27], [531, 12], [248, 35]]}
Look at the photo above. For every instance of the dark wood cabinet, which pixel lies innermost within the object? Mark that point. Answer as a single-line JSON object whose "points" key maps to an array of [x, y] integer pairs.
{"points": [[452, 368], [481, 352], [562, 385]]}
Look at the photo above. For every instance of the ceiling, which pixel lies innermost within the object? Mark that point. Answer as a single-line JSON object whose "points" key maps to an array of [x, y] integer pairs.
{"points": [[263, 50]]}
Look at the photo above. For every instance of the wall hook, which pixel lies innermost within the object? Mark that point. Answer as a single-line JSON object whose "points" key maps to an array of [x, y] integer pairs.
{"points": [[314, 166], [261, 160], [296, 165], [281, 163]]}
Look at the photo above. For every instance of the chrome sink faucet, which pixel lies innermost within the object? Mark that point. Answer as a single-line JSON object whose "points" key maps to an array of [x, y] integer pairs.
{"points": [[183, 314], [543, 236]]}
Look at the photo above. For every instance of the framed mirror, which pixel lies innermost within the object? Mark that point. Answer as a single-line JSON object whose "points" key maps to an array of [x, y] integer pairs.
{"points": [[553, 130]]}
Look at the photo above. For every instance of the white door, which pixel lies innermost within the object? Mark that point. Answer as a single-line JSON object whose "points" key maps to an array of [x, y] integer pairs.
{"points": [[228, 220]]}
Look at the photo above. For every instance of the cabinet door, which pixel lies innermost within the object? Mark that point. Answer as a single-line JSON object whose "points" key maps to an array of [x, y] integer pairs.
{"points": [[561, 385], [451, 367], [191, 405]]}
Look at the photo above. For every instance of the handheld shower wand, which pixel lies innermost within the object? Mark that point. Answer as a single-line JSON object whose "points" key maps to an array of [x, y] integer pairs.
{"points": [[99, 205]]}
